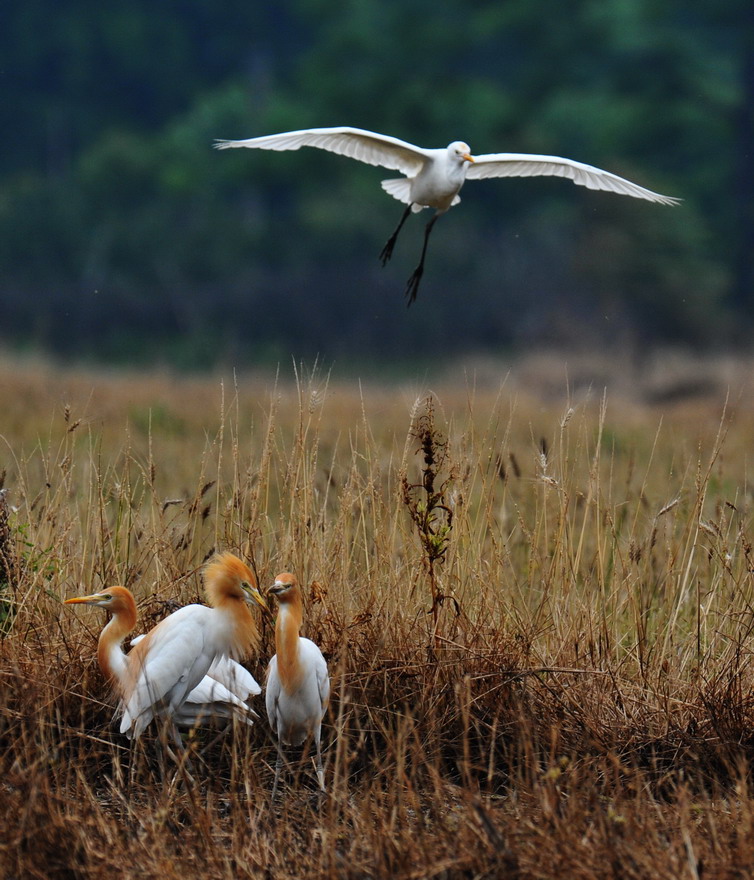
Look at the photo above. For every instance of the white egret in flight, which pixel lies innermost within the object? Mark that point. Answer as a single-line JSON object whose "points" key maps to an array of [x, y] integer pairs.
{"points": [[433, 178]]}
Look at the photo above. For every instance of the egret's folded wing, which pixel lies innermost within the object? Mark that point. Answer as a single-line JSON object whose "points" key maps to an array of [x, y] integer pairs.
{"points": [[528, 165], [203, 714], [211, 699], [165, 665], [356, 143], [272, 693], [323, 683], [316, 661], [238, 680]]}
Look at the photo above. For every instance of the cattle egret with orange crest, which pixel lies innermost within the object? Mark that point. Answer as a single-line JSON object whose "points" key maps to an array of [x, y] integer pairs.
{"points": [[433, 178], [164, 674], [298, 687]]}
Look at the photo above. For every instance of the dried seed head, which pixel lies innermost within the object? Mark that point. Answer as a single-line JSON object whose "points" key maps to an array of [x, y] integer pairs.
{"points": [[669, 507]]}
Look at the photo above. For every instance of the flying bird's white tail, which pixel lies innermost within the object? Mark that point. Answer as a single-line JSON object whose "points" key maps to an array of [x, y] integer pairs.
{"points": [[400, 188]]}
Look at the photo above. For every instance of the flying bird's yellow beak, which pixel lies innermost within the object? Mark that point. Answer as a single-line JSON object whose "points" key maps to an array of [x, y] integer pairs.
{"points": [[468, 157]]}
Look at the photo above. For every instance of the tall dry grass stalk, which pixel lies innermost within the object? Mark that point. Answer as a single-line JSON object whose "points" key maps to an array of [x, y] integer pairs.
{"points": [[562, 689]]}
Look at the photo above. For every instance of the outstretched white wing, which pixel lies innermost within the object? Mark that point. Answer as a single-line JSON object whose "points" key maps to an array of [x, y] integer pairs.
{"points": [[528, 165], [356, 143]]}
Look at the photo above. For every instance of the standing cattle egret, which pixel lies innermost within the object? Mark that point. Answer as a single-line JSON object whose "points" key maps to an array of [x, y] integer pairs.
{"points": [[298, 687], [157, 677], [433, 178]]}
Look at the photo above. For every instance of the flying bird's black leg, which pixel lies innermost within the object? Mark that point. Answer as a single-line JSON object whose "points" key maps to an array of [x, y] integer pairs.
{"points": [[412, 288], [387, 251]]}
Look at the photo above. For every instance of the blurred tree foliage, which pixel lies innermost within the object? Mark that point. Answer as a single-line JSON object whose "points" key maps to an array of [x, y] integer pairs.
{"points": [[124, 236]]}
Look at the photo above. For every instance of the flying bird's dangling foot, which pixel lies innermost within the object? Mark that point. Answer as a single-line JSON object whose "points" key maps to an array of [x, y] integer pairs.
{"points": [[387, 251], [412, 288]]}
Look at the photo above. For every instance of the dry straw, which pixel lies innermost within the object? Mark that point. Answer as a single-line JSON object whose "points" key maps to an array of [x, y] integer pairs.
{"points": [[540, 655]]}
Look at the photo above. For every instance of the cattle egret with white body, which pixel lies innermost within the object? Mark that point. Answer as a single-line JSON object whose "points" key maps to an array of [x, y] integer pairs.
{"points": [[165, 675], [433, 178], [298, 687]]}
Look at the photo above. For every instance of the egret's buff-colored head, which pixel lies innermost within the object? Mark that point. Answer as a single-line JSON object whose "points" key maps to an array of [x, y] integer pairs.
{"points": [[113, 599], [285, 586], [286, 591], [461, 150], [120, 602], [226, 577]]}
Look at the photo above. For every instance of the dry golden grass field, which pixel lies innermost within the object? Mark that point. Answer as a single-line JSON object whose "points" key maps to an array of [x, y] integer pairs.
{"points": [[535, 597]]}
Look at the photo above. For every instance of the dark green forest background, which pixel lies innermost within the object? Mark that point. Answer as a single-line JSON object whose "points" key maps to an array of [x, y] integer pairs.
{"points": [[125, 237]]}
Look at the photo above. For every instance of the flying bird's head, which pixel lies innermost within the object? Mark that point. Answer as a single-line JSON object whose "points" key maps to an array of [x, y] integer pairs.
{"points": [[461, 151]]}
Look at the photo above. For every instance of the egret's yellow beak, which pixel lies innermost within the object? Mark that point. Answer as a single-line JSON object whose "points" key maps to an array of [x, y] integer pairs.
{"points": [[253, 595], [86, 600]]}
